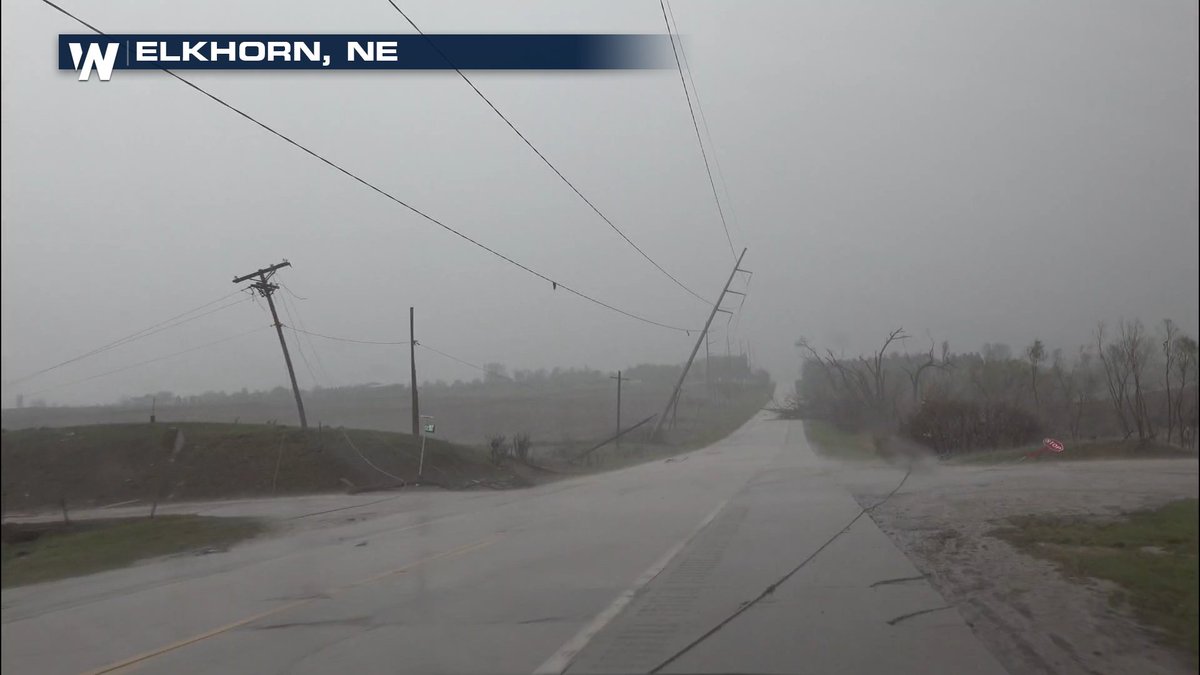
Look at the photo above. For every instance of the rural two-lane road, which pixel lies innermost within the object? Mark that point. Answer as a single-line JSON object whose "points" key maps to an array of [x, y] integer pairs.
{"points": [[619, 572]]}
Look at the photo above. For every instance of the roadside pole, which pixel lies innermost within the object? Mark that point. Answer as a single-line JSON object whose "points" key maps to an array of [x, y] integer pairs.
{"points": [[673, 402], [412, 360], [619, 379], [266, 289], [424, 427]]}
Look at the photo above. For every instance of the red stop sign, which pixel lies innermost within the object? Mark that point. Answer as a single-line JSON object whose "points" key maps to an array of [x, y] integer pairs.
{"points": [[1053, 445]]}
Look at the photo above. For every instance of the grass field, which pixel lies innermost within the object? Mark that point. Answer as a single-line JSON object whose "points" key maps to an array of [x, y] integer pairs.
{"points": [[99, 465], [1084, 450], [705, 426], [105, 464], [1151, 555], [93, 546], [829, 441]]}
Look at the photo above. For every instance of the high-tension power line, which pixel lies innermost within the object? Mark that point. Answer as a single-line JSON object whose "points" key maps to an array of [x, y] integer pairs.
{"points": [[384, 193], [543, 157], [703, 153]]}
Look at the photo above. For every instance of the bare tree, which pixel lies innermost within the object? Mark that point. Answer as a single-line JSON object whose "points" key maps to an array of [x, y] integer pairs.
{"points": [[863, 380], [1035, 354], [1087, 384], [1137, 348], [914, 374], [1064, 378], [1185, 360], [875, 367], [1170, 333], [1116, 377]]}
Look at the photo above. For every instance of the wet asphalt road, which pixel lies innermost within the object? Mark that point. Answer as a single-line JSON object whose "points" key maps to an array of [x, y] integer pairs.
{"points": [[659, 566]]}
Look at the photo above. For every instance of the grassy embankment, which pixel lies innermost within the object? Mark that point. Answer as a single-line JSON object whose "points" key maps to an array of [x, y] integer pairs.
{"points": [[106, 464], [45, 552], [1150, 555]]}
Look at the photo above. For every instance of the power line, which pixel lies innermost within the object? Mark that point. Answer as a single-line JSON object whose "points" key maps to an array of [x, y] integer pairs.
{"points": [[483, 369], [384, 193], [295, 311], [540, 391], [541, 156], [464, 362], [299, 344], [695, 124], [159, 327], [364, 458], [342, 339], [704, 122], [769, 590], [300, 321], [149, 361]]}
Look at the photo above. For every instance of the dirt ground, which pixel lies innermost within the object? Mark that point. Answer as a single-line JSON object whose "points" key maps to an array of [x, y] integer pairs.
{"points": [[1033, 618]]}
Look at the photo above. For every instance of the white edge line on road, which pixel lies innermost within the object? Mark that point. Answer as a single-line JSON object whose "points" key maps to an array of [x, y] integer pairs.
{"points": [[561, 659]]}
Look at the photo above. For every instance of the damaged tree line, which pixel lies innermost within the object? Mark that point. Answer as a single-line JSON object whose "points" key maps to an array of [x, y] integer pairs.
{"points": [[1128, 382]]}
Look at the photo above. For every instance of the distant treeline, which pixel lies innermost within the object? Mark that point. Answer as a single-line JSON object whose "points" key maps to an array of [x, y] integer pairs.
{"points": [[559, 406], [1127, 381], [495, 380]]}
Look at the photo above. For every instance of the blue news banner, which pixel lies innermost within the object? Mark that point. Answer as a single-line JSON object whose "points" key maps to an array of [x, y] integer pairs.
{"points": [[364, 52]]}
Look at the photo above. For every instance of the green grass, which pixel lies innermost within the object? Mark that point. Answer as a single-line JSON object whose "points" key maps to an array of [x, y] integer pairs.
{"points": [[1151, 555], [106, 464], [829, 441], [1079, 451], [85, 547]]}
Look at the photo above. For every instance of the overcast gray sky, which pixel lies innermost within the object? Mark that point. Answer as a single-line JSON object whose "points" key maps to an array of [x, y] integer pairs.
{"points": [[983, 171]]}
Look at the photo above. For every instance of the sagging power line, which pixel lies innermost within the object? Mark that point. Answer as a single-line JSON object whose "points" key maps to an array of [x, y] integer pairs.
{"points": [[716, 157], [294, 317], [543, 157], [152, 329], [384, 193], [149, 361], [343, 339], [703, 153]]}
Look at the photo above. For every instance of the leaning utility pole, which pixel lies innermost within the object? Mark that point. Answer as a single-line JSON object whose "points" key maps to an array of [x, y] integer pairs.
{"points": [[266, 289], [673, 402], [412, 360], [619, 380]]}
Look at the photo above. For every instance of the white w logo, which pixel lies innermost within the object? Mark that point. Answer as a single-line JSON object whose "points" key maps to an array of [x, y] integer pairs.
{"points": [[103, 62]]}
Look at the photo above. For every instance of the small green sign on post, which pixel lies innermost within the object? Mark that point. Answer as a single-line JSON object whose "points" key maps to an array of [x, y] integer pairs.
{"points": [[427, 427]]}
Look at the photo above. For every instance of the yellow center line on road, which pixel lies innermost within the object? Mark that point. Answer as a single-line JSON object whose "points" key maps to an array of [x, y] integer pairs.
{"points": [[146, 656]]}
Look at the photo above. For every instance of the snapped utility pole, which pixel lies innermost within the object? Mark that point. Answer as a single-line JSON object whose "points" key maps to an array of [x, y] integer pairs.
{"points": [[412, 360], [265, 288], [673, 402]]}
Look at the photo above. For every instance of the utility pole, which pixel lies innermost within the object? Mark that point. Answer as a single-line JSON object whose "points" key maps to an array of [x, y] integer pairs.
{"points": [[266, 289], [673, 402], [619, 379], [412, 360], [707, 367]]}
